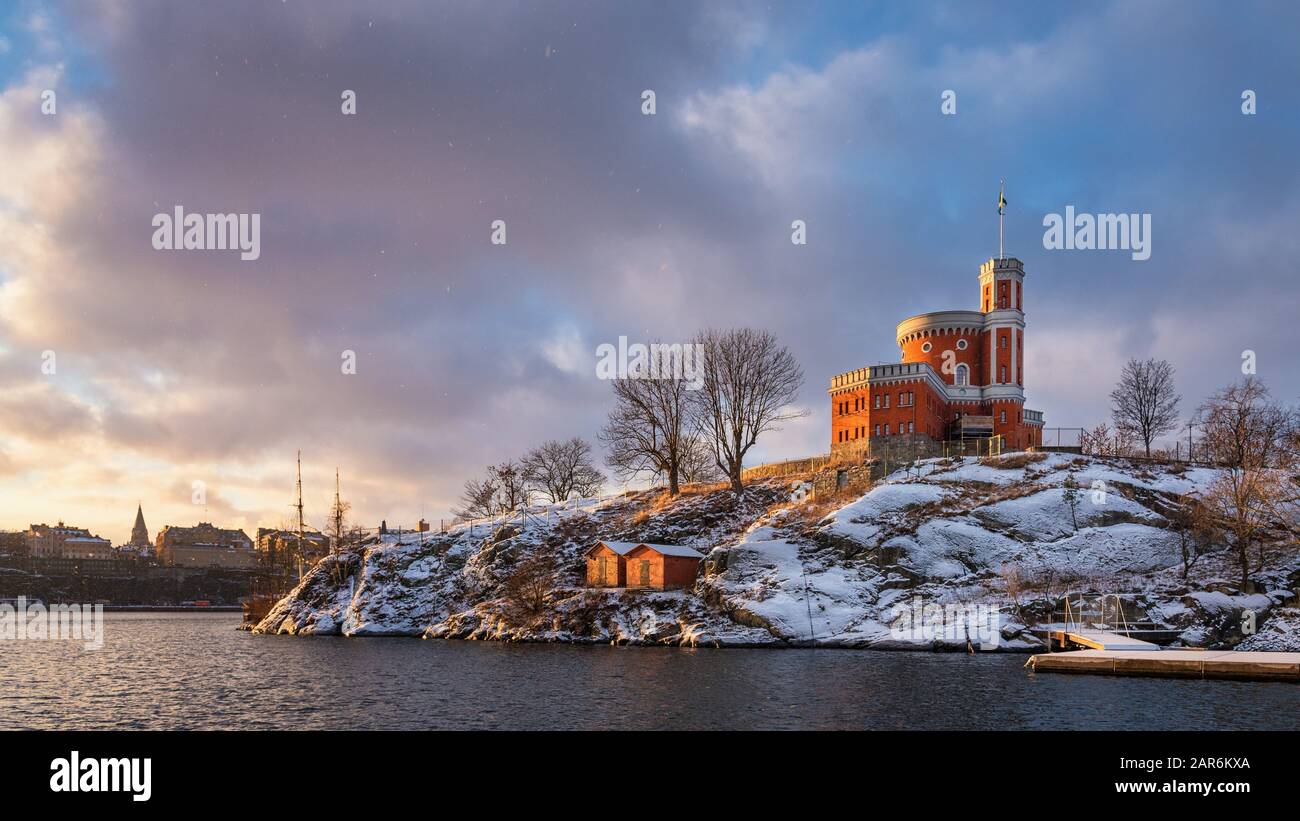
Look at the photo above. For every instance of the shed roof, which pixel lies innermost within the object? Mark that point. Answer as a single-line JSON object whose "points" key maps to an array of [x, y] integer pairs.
{"points": [[624, 548]]}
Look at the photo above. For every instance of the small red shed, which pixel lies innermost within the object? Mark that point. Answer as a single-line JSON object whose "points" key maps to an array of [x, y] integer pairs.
{"points": [[606, 565], [662, 566]]}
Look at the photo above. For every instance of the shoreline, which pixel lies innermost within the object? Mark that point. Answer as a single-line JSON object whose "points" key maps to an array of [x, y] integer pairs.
{"points": [[715, 644], [171, 608]]}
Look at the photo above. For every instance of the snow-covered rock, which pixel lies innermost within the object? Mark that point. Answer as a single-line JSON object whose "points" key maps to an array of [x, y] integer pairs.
{"points": [[1007, 535]]}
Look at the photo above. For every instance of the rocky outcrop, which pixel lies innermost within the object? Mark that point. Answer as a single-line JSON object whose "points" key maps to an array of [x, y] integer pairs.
{"points": [[782, 569]]}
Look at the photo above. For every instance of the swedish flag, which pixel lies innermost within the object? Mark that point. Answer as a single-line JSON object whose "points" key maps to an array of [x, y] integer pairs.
{"points": [[1002, 200]]}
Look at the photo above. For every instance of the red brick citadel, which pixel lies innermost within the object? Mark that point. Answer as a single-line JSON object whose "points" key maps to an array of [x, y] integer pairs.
{"points": [[961, 376]]}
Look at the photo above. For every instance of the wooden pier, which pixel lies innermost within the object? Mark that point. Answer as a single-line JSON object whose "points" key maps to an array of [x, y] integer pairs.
{"points": [[1092, 639], [1203, 664]]}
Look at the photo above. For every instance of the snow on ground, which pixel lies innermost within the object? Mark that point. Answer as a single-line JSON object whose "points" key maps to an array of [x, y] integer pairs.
{"points": [[952, 532], [1051, 470], [800, 600], [1281, 633]]}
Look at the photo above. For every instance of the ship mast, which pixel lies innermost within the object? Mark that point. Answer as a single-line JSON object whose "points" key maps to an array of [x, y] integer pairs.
{"points": [[300, 522], [338, 514]]}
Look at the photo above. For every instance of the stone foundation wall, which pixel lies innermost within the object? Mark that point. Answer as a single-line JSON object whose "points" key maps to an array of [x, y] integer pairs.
{"points": [[896, 449], [844, 479]]}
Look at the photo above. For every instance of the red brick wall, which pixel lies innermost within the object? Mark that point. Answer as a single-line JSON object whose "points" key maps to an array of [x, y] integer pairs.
{"points": [[1002, 356], [927, 413], [1003, 296], [1020, 357], [1019, 435], [972, 356], [852, 422]]}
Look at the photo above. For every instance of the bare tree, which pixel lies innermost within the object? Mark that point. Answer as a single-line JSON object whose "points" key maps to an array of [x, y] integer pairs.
{"points": [[1144, 404], [1192, 522], [504, 489], [1249, 436], [511, 485], [697, 464], [528, 587], [1096, 441], [1122, 443], [1243, 427], [478, 499], [649, 430], [560, 469], [749, 382]]}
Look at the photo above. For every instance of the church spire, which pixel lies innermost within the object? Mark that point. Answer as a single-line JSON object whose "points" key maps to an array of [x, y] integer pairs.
{"points": [[139, 533]]}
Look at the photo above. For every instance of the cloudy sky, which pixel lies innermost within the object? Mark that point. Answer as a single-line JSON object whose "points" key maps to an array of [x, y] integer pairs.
{"points": [[173, 367]]}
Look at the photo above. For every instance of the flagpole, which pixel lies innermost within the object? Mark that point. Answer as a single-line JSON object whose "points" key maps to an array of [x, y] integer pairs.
{"points": [[1001, 255]]}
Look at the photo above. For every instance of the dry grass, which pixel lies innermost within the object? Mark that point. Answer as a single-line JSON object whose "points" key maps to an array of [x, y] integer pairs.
{"points": [[809, 512], [1013, 462], [1006, 493], [814, 510], [702, 488], [657, 500]]}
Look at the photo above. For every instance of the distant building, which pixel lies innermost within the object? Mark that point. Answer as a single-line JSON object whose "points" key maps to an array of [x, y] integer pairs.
{"points": [[140, 533], [66, 542], [139, 547], [205, 545], [13, 543], [280, 547], [642, 565]]}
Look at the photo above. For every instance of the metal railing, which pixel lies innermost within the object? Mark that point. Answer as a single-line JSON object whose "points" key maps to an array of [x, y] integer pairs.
{"points": [[1062, 437]]}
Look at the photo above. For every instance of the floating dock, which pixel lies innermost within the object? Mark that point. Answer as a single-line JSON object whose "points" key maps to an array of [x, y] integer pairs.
{"points": [[1100, 640], [1204, 664]]}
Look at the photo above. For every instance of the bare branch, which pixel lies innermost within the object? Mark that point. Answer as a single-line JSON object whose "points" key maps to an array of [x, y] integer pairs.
{"points": [[1145, 404], [749, 382]]}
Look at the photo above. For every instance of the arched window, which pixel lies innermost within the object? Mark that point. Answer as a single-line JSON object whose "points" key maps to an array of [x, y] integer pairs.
{"points": [[962, 375]]}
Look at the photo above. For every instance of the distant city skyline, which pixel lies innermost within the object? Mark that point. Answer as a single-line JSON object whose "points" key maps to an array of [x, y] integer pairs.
{"points": [[131, 373], [131, 530]]}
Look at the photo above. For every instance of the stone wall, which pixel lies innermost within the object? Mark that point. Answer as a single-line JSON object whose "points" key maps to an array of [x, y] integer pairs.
{"points": [[900, 450], [896, 449], [844, 479]]}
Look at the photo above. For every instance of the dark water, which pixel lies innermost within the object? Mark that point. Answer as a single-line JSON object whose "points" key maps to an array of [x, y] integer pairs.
{"points": [[195, 671]]}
